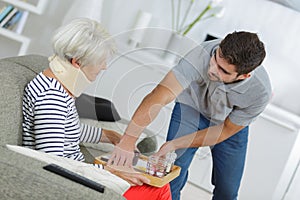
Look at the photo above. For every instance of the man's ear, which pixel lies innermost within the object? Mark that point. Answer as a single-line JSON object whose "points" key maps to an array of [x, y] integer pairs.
{"points": [[244, 76], [75, 63]]}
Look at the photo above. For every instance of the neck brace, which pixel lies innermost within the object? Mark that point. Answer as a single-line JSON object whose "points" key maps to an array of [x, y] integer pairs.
{"points": [[71, 77]]}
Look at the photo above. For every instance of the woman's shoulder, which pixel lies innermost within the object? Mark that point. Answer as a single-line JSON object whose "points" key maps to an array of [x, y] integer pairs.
{"points": [[42, 85]]}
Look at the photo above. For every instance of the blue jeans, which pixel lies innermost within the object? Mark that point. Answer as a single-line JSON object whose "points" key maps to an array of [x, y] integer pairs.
{"points": [[228, 156]]}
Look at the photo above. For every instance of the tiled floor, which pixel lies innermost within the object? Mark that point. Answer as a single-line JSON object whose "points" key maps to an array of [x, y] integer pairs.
{"points": [[191, 192]]}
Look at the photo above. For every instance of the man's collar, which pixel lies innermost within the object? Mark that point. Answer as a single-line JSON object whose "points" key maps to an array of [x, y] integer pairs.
{"points": [[241, 86]]}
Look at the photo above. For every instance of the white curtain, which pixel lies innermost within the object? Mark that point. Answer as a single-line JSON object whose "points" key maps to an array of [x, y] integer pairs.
{"points": [[84, 8]]}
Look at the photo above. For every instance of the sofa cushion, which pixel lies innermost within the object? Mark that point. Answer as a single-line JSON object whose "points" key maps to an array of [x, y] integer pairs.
{"points": [[15, 73], [35, 63]]}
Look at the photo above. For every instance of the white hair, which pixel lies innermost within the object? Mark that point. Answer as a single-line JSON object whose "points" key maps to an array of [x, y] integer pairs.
{"points": [[85, 40]]}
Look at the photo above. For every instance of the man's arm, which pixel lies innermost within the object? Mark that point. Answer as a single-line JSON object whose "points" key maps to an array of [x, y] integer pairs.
{"points": [[165, 92], [206, 137]]}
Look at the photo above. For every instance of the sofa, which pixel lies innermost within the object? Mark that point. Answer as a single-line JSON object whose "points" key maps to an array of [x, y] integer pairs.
{"points": [[23, 177]]}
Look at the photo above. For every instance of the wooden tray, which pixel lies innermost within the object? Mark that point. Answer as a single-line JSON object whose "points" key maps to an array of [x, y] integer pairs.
{"points": [[154, 180]]}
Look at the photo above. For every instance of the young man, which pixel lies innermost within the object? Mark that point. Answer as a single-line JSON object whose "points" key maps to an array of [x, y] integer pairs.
{"points": [[220, 88]]}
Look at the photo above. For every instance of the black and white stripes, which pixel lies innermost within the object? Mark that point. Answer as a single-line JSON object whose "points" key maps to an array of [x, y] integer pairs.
{"points": [[51, 123]]}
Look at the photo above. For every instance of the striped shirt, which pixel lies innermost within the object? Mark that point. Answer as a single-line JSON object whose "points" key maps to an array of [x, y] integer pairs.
{"points": [[51, 122]]}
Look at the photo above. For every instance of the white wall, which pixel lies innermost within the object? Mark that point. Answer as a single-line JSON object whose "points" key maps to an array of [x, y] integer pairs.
{"points": [[40, 28], [117, 16]]}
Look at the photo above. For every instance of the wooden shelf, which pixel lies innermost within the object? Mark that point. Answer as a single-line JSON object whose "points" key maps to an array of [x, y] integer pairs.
{"points": [[31, 6], [37, 9]]}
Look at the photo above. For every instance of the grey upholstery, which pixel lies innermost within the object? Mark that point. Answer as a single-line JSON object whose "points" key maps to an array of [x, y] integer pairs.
{"points": [[23, 177], [15, 74]]}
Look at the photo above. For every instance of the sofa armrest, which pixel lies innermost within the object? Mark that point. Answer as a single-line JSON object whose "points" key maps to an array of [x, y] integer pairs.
{"points": [[23, 177]]}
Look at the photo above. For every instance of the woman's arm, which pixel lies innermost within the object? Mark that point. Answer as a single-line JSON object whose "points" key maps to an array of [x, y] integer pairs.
{"points": [[91, 134], [49, 124]]}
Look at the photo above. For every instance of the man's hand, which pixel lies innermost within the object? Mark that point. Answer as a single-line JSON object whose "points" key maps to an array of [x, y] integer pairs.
{"points": [[121, 157], [165, 148], [123, 152], [128, 174]]}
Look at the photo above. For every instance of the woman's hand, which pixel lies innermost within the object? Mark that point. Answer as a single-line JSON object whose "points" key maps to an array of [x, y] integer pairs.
{"points": [[109, 136], [128, 174]]}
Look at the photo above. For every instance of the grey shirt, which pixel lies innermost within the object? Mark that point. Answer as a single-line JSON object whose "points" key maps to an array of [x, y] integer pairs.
{"points": [[241, 101]]}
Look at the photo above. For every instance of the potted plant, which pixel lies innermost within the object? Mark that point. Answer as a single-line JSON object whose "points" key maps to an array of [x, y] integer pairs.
{"points": [[180, 26]]}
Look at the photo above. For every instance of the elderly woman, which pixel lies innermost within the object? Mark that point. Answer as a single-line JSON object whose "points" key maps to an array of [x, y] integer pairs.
{"points": [[51, 123]]}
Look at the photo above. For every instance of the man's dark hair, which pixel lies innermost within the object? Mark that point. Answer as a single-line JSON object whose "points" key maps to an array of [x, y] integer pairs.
{"points": [[243, 50]]}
